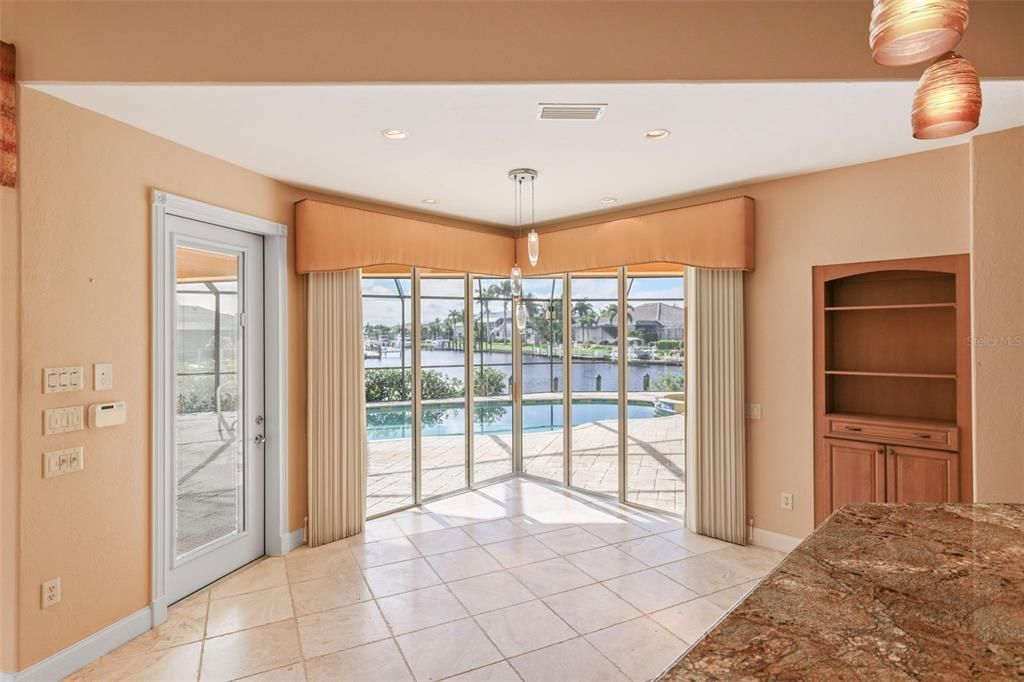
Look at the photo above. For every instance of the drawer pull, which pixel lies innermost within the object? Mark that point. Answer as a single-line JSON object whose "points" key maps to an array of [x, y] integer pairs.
{"points": [[922, 435], [853, 428]]}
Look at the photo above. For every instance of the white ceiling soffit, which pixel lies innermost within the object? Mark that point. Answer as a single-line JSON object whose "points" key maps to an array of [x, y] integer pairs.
{"points": [[463, 139]]}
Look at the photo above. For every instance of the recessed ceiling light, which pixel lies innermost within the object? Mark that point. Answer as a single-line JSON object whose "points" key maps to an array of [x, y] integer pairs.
{"points": [[431, 201], [608, 200], [394, 134], [657, 134]]}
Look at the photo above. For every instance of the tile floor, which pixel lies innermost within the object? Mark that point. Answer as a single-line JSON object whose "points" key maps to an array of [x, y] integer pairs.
{"points": [[516, 581]]}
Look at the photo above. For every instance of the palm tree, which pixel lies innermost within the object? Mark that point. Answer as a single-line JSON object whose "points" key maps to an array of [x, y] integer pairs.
{"points": [[582, 311], [503, 290], [612, 309]]}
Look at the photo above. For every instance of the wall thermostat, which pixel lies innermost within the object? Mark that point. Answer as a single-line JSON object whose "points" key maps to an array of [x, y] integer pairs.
{"points": [[108, 414]]}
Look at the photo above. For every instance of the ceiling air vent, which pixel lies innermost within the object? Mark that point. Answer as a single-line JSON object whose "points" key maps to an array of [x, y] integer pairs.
{"points": [[570, 112]]}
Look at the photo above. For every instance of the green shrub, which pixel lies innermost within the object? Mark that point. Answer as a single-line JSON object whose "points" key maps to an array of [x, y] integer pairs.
{"points": [[669, 382], [488, 381], [669, 344], [390, 385]]}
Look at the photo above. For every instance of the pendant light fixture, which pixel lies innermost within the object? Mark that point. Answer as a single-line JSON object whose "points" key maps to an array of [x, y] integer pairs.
{"points": [[912, 31], [948, 99], [520, 177]]}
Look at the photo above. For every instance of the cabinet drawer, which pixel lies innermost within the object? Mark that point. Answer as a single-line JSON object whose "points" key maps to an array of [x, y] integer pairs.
{"points": [[920, 435]]}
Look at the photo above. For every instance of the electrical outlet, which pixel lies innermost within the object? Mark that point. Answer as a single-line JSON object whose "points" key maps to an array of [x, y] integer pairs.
{"points": [[787, 501], [51, 592], [753, 411]]}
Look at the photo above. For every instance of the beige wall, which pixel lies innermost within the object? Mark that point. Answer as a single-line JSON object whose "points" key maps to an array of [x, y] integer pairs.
{"points": [[85, 298], [897, 208], [997, 232], [473, 40], [9, 283]]}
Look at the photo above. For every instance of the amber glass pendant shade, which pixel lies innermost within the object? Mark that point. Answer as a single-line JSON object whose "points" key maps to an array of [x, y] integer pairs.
{"points": [[948, 99], [913, 31]]}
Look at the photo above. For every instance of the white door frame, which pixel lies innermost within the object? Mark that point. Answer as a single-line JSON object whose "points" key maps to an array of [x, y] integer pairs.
{"points": [[275, 248]]}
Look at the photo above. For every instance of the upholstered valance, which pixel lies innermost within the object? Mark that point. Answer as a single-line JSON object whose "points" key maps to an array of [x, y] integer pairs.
{"points": [[332, 237]]}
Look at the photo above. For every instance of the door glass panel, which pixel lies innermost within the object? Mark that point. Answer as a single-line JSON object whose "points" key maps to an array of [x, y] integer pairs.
{"points": [[387, 342], [595, 399], [493, 329], [655, 382], [442, 384], [543, 382], [209, 456]]}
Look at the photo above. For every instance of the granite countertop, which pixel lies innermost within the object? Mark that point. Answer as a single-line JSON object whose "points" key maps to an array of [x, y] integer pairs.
{"points": [[881, 592]]}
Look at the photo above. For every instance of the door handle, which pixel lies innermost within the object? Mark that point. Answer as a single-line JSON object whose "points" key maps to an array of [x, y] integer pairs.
{"points": [[260, 439]]}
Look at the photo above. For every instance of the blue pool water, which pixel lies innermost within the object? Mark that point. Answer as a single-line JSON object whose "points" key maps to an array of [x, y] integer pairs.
{"points": [[448, 419]]}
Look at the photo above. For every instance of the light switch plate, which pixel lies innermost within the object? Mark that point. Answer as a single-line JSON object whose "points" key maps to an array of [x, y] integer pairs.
{"points": [[753, 411], [63, 379], [66, 461], [103, 376], [63, 420]]}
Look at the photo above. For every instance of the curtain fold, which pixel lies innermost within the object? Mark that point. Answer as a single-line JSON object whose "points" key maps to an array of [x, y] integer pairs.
{"points": [[336, 399], [715, 405]]}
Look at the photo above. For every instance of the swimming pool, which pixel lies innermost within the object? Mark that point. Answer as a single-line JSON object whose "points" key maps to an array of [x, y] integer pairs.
{"points": [[448, 419]]}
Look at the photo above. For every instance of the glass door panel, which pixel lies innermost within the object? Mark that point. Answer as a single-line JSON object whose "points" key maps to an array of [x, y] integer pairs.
{"points": [[493, 330], [442, 384], [655, 425], [595, 398], [542, 378], [210, 453], [387, 342]]}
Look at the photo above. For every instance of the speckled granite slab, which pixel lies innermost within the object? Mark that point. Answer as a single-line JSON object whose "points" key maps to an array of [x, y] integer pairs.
{"points": [[882, 592]]}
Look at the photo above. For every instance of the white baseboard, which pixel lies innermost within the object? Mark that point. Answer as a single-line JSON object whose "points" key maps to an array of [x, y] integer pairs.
{"points": [[290, 541], [82, 653], [6, 677], [769, 539]]}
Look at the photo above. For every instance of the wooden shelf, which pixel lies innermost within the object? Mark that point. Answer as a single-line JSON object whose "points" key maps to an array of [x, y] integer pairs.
{"points": [[899, 306], [898, 375]]}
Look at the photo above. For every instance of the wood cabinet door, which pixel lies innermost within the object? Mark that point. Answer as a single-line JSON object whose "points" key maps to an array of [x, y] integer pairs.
{"points": [[918, 475], [856, 472]]}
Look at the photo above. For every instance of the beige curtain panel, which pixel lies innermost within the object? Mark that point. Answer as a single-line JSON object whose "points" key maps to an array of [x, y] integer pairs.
{"points": [[336, 406], [715, 441]]}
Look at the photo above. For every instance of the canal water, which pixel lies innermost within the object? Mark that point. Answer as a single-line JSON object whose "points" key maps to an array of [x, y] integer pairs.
{"points": [[538, 371]]}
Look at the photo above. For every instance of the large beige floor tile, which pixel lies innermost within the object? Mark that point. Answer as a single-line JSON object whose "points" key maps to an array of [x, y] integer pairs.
{"points": [[729, 597], [591, 608], [711, 572], [384, 552], [323, 594], [496, 672], [649, 590], [296, 672], [186, 622], [403, 576], [519, 551], [171, 664], [494, 531], [440, 541], [689, 621], [575, 660], [464, 563], [342, 628], [654, 550], [268, 572], [249, 610], [446, 650], [490, 592], [615, 531], [640, 648], [694, 543], [605, 562], [550, 577], [421, 609], [249, 652], [524, 627], [320, 562], [415, 521], [377, 661], [570, 540]]}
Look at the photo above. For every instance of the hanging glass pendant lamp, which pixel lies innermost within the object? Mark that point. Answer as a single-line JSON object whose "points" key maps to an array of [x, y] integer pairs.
{"points": [[521, 176], [948, 99], [912, 31]]}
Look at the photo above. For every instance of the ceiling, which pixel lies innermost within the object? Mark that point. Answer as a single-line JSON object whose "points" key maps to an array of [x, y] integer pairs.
{"points": [[463, 139]]}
